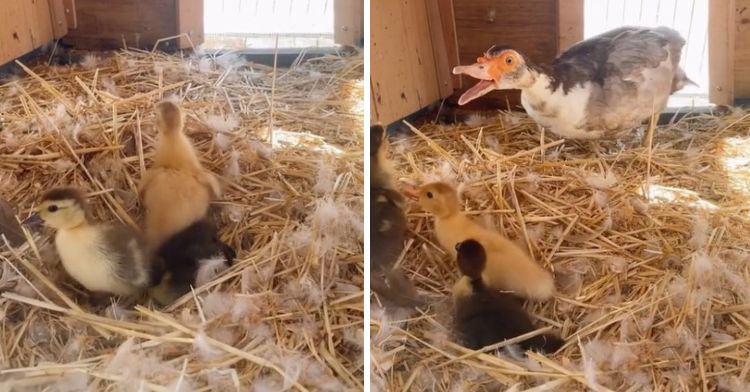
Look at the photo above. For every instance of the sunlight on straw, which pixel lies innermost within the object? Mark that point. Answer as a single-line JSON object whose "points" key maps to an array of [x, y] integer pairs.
{"points": [[736, 161], [660, 194], [286, 139]]}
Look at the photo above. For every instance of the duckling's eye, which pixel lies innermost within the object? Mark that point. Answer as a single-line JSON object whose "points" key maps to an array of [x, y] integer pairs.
{"points": [[429, 195], [509, 60], [52, 208]]}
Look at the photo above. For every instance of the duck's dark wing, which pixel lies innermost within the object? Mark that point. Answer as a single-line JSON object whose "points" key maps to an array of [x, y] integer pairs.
{"points": [[621, 53]]}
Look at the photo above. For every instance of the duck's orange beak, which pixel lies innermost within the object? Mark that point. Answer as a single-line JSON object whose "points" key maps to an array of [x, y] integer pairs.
{"points": [[484, 70]]}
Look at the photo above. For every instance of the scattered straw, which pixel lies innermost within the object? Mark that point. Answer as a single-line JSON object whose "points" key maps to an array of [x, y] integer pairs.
{"points": [[655, 303], [288, 314]]}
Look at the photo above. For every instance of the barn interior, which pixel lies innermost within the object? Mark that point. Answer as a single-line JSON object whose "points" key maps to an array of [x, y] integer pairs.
{"points": [[645, 235], [275, 115]]}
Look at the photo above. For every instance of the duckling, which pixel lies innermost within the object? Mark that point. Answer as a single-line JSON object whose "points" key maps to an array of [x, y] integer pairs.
{"points": [[484, 317], [508, 267], [387, 228], [597, 88], [176, 190], [185, 256], [103, 258]]}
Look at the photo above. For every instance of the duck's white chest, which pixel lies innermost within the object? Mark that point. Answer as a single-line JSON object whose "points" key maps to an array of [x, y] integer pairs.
{"points": [[82, 256], [564, 113]]}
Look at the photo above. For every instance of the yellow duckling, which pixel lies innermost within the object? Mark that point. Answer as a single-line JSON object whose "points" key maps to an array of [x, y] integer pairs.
{"points": [[508, 267], [176, 190], [103, 258]]}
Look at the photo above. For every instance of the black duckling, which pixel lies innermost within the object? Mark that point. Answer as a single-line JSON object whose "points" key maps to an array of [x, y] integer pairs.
{"points": [[484, 317], [387, 228], [186, 256]]}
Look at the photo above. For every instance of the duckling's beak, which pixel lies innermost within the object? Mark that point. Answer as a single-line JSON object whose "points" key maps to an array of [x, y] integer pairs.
{"points": [[34, 221], [411, 192]]}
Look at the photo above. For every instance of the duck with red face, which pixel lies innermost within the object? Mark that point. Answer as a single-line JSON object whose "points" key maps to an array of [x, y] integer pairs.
{"points": [[601, 87]]}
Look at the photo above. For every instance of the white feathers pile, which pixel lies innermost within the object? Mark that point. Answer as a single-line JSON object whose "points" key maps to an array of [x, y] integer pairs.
{"points": [[598, 181], [224, 129], [331, 224]]}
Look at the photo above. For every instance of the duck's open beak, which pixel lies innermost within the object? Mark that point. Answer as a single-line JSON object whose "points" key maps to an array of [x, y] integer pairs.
{"points": [[481, 71], [34, 221]]}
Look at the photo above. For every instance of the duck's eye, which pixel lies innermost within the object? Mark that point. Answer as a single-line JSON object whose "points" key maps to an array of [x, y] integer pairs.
{"points": [[52, 208], [429, 195], [509, 60]]}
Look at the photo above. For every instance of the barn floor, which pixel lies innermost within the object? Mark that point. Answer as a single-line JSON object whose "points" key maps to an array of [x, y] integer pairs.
{"points": [[287, 315], [647, 238]]}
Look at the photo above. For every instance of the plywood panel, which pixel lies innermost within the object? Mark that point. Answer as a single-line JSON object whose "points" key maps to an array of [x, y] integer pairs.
{"points": [[105, 24], [742, 49], [403, 71], [348, 22], [190, 22], [15, 38], [529, 26], [38, 18], [24, 26]]}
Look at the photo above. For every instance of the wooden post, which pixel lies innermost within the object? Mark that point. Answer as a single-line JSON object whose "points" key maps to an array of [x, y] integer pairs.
{"points": [[569, 23], [721, 26], [348, 21]]}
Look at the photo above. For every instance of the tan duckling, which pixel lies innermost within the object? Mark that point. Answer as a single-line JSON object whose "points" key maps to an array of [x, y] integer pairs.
{"points": [[387, 228], [176, 190], [508, 266], [103, 258], [484, 317]]}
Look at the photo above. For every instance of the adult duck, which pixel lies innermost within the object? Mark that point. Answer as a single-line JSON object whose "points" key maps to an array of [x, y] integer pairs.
{"points": [[598, 88]]}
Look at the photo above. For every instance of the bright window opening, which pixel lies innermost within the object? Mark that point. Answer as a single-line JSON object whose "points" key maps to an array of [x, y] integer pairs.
{"points": [[690, 18], [254, 24]]}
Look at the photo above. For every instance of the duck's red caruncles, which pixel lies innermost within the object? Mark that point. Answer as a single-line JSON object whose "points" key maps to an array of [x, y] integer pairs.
{"points": [[596, 89]]}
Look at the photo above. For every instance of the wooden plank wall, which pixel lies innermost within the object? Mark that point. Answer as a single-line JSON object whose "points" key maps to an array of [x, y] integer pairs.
{"points": [[404, 75], [107, 24], [742, 49], [26, 25], [530, 26]]}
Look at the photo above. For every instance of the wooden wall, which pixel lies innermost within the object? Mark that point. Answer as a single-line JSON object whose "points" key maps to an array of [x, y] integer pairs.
{"points": [[136, 23], [530, 26], [742, 49], [26, 25], [409, 65]]}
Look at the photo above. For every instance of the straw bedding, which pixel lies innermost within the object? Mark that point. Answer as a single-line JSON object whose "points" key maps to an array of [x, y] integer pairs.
{"points": [[647, 238], [287, 315]]}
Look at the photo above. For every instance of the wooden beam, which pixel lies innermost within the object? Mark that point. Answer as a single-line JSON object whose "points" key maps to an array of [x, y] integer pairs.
{"points": [[448, 21], [57, 16], [70, 13], [742, 50], [348, 22], [442, 66], [721, 50], [569, 23]]}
